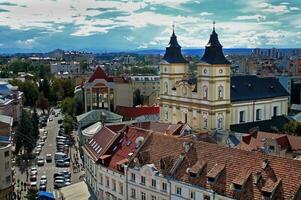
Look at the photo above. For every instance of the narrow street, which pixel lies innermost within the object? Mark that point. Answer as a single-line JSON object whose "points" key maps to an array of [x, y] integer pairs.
{"points": [[49, 168]]}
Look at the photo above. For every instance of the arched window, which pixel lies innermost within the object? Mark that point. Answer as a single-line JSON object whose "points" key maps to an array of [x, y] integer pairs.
{"points": [[205, 92], [220, 122], [205, 120], [220, 92], [258, 114], [165, 87], [184, 91]]}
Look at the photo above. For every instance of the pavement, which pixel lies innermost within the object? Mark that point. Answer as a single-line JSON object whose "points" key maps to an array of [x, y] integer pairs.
{"points": [[49, 168]]}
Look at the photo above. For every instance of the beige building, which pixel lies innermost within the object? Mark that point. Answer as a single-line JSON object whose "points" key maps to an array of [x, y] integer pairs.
{"points": [[101, 91], [149, 87], [6, 181], [214, 100]]}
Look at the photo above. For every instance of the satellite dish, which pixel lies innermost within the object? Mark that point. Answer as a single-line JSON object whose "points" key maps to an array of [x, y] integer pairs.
{"points": [[139, 141]]}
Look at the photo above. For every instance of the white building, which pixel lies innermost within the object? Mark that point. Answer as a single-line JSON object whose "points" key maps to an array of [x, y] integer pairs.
{"points": [[6, 179], [65, 68]]}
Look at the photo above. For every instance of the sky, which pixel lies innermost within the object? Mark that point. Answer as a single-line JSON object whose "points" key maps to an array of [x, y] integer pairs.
{"points": [[101, 25]]}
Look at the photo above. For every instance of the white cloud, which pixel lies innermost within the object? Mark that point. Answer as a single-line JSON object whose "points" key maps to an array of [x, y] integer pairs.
{"points": [[129, 38], [251, 17], [27, 44], [284, 3], [294, 8], [206, 13]]}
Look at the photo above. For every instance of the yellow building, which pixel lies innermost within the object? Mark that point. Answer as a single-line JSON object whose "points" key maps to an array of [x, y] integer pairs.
{"points": [[214, 100]]}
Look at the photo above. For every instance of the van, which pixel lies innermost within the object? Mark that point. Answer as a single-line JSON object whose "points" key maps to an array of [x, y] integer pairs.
{"points": [[60, 156]]}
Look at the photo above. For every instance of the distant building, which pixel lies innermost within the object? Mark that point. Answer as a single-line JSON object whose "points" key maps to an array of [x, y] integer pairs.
{"points": [[292, 84], [10, 101], [214, 99], [149, 87], [65, 68]]}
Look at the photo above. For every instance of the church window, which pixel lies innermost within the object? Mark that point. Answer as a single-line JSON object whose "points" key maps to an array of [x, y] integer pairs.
{"points": [[258, 114], [220, 92], [205, 92], [220, 122], [165, 87], [242, 116]]}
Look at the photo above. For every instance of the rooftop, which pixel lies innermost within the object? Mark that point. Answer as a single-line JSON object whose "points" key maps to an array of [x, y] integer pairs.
{"points": [[222, 169], [134, 112]]}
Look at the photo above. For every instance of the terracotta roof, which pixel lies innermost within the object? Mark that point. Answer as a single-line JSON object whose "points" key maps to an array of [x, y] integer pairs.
{"points": [[98, 74], [99, 143], [252, 142], [134, 112], [168, 128], [124, 145], [234, 163], [215, 170]]}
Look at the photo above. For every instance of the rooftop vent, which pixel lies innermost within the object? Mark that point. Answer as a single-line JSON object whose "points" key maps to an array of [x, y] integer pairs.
{"points": [[265, 164], [139, 140], [257, 177]]}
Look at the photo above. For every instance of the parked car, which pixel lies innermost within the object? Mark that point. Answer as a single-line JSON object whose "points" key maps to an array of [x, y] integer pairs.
{"points": [[40, 161], [60, 121], [42, 188], [60, 163], [33, 178], [33, 185], [59, 183], [43, 179], [50, 119], [33, 171], [48, 157]]}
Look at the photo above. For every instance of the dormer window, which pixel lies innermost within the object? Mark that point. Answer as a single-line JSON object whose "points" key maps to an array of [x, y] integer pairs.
{"points": [[196, 169], [240, 181], [214, 173], [211, 180], [237, 187]]}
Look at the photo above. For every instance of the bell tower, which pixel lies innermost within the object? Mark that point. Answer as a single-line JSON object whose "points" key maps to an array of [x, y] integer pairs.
{"points": [[173, 68], [214, 85]]}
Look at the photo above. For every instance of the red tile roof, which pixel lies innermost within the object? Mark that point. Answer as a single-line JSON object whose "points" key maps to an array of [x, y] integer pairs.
{"points": [[254, 141], [99, 74], [133, 112], [99, 143], [281, 174], [168, 128]]}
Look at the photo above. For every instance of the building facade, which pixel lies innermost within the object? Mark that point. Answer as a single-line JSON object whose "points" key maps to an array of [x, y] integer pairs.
{"points": [[65, 68], [6, 176], [213, 100]]}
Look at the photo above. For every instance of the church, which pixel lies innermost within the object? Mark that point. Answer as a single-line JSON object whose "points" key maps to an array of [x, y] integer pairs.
{"points": [[215, 99]]}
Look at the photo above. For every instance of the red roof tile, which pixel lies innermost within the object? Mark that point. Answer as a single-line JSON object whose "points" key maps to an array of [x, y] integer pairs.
{"points": [[98, 74], [237, 165], [133, 112]]}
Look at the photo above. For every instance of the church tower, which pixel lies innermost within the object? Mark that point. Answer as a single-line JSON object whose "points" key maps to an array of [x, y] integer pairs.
{"points": [[214, 86], [173, 68]]}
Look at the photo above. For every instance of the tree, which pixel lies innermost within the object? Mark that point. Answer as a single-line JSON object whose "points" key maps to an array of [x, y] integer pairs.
{"points": [[31, 93], [138, 98], [24, 134], [42, 103], [35, 123], [68, 106], [68, 87], [293, 128], [68, 124], [32, 194], [45, 87], [83, 66]]}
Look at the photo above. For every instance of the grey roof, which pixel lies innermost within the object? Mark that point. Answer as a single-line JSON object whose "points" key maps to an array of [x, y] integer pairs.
{"points": [[250, 87], [5, 88], [6, 119]]}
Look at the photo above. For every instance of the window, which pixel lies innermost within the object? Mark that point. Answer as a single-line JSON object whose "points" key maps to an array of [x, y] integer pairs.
{"points": [[133, 193], [154, 183], [121, 188], [205, 92], [206, 197], [143, 196], [6, 153], [275, 111], [192, 195], [185, 115], [165, 88], [220, 122], [114, 185], [164, 187], [166, 115], [107, 182], [258, 114], [143, 180], [7, 179], [178, 190], [154, 197], [242, 116], [6, 165], [101, 179], [220, 92], [133, 177], [184, 91], [205, 121]]}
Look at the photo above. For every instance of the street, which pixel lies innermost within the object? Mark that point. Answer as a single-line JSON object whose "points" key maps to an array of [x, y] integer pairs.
{"points": [[49, 168]]}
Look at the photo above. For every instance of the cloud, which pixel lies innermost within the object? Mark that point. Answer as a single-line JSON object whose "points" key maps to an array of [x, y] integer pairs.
{"points": [[27, 44], [294, 8], [251, 17], [205, 13]]}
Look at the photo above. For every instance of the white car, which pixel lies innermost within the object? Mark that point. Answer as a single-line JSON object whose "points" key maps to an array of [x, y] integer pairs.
{"points": [[41, 143], [45, 132], [43, 180], [41, 161], [33, 185], [37, 152], [50, 119], [33, 171]]}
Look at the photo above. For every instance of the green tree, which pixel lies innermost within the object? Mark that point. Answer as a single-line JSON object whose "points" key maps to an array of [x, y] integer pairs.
{"points": [[42, 103], [24, 134], [83, 66], [68, 106], [45, 87], [138, 98], [68, 87], [35, 123], [293, 128], [32, 194], [31, 93], [68, 124]]}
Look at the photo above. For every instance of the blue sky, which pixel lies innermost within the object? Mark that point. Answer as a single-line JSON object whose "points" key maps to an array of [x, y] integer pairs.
{"points": [[42, 25]]}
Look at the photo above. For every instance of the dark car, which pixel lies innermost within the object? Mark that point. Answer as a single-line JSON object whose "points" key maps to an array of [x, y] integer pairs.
{"points": [[60, 121]]}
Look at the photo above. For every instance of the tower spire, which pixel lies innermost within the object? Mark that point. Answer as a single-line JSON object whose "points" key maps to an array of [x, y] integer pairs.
{"points": [[213, 24], [173, 28]]}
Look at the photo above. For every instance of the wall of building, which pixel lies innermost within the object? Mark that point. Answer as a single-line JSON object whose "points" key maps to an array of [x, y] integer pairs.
{"points": [[6, 181], [123, 95]]}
